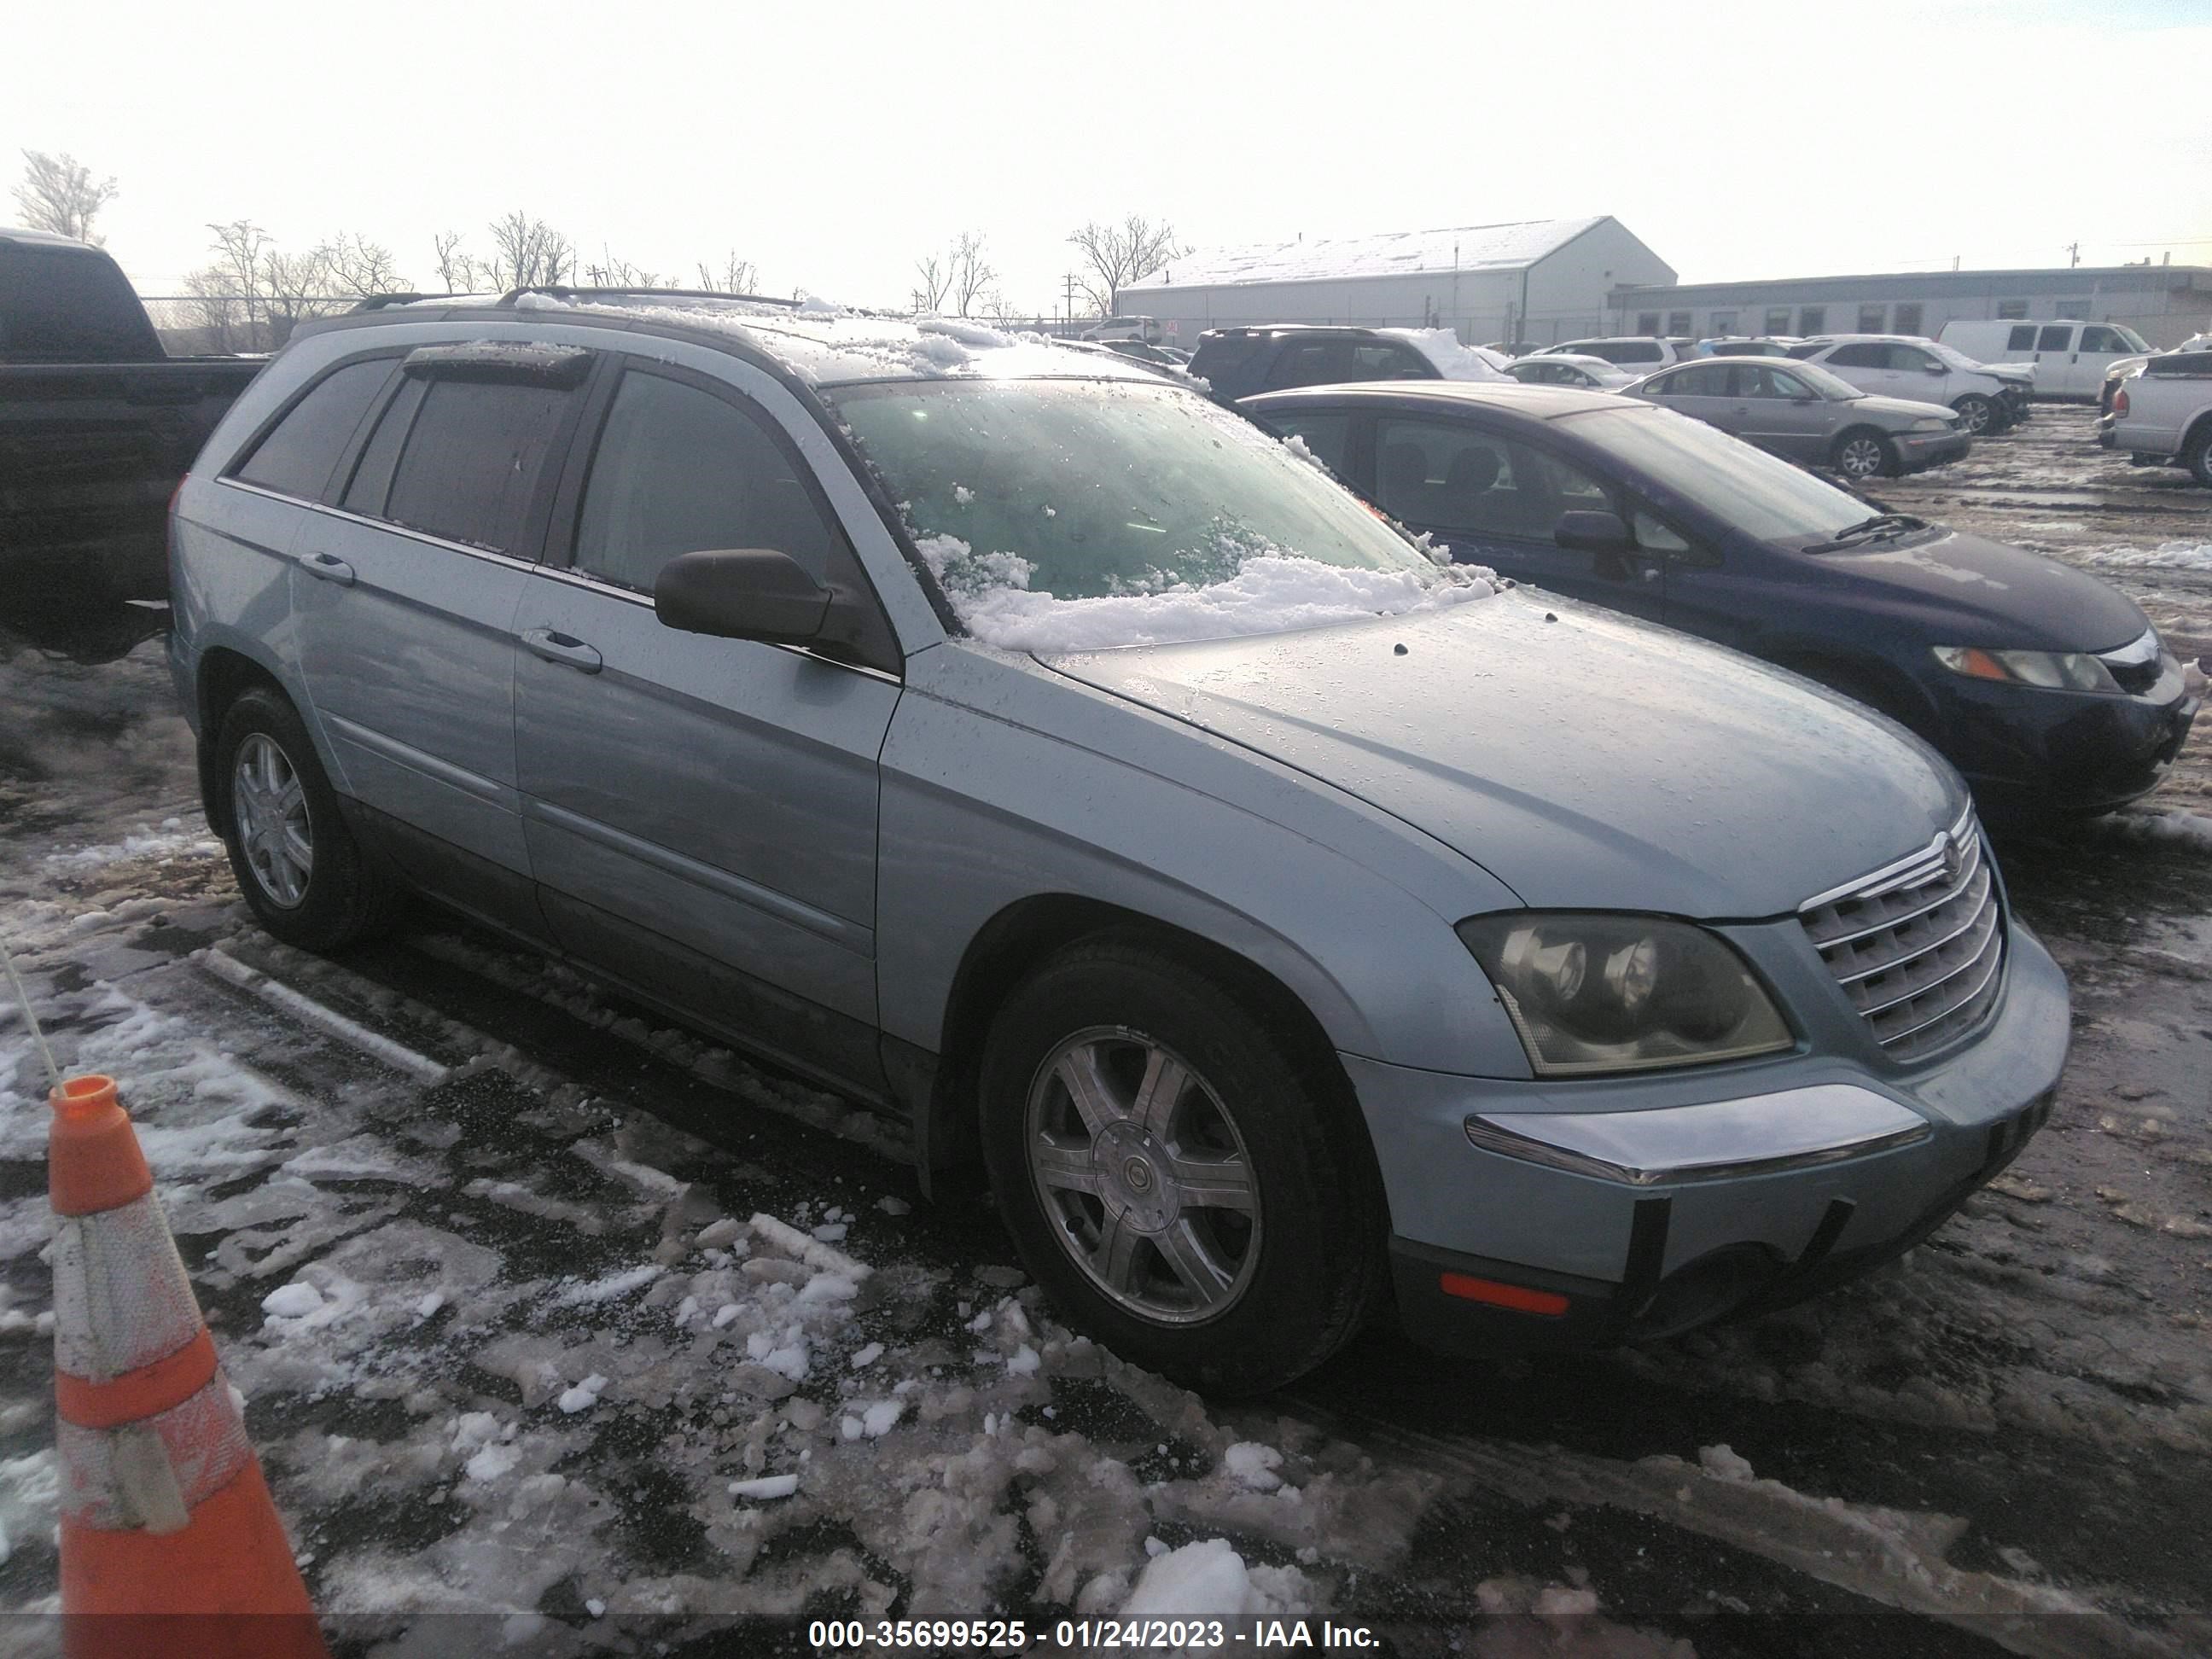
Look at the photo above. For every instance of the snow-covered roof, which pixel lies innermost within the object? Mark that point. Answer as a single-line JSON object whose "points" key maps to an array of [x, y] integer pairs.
{"points": [[826, 344], [1466, 247]]}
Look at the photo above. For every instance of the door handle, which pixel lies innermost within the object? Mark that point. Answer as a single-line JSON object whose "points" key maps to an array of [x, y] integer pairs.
{"points": [[328, 567], [557, 647]]}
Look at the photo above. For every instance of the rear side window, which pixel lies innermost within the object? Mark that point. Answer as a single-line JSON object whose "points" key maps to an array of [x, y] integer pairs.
{"points": [[295, 455], [473, 459], [1391, 362], [2021, 339], [1862, 354], [1318, 364], [2056, 336], [680, 470], [1464, 479], [1699, 380]]}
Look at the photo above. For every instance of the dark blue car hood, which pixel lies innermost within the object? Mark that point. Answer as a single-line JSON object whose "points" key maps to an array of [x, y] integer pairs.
{"points": [[1980, 592], [1591, 762]]}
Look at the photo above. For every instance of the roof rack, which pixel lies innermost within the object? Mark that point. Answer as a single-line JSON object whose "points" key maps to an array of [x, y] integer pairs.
{"points": [[378, 301], [562, 291]]}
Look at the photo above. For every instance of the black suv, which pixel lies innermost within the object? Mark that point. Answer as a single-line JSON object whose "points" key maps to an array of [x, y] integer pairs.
{"points": [[1239, 361]]}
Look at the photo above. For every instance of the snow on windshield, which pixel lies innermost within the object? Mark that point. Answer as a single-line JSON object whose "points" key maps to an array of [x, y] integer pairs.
{"points": [[1273, 593], [1449, 358], [1063, 515]]}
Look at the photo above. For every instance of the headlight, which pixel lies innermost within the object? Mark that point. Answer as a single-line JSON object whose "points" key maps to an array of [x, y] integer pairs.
{"points": [[2055, 671], [1591, 994], [1932, 423]]}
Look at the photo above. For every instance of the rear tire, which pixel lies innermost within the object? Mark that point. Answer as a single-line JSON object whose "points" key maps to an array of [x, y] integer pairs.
{"points": [[1186, 1190], [302, 872], [1977, 415], [2198, 455], [1863, 454]]}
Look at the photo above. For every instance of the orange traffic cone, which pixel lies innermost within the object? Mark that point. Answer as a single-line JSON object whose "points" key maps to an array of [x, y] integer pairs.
{"points": [[170, 1543]]}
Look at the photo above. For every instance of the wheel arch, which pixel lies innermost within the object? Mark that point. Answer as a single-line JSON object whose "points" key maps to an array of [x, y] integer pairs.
{"points": [[1866, 678], [221, 675], [1030, 931]]}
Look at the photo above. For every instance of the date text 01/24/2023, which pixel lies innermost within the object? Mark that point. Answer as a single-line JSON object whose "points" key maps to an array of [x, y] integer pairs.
{"points": [[1072, 1635]]}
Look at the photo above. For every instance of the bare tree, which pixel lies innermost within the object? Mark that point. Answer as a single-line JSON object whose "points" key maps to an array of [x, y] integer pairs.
{"points": [[354, 264], [933, 282], [972, 275], [292, 286], [456, 269], [528, 252], [239, 247], [736, 276], [1120, 254], [218, 309], [58, 194], [611, 273]]}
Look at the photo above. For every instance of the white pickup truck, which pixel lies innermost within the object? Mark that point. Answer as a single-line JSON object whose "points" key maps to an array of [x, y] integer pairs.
{"points": [[2163, 415]]}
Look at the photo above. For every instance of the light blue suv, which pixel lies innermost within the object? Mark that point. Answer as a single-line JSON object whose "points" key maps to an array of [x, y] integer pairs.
{"points": [[1013, 739]]}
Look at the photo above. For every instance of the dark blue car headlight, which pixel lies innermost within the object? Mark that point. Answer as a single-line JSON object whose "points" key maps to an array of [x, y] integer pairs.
{"points": [[1592, 992]]}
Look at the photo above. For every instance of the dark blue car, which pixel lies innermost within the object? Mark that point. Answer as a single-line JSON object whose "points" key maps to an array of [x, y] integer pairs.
{"points": [[2048, 689]]}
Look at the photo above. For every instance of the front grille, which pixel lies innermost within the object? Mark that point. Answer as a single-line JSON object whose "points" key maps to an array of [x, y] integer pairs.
{"points": [[1918, 945]]}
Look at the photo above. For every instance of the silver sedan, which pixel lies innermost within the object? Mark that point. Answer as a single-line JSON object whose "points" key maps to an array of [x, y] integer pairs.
{"points": [[1803, 413]]}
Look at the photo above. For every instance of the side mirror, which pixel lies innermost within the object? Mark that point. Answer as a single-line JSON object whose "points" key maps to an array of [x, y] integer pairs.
{"points": [[1593, 532], [1937, 369], [742, 593]]}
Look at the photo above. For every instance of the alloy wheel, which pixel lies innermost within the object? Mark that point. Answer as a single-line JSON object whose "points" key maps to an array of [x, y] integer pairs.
{"points": [[1144, 1176], [1861, 457], [1974, 414], [268, 807]]}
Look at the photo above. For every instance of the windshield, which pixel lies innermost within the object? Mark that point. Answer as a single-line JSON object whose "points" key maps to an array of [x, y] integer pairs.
{"points": [[1061, 514], [1759, 494], [1829, 384]]}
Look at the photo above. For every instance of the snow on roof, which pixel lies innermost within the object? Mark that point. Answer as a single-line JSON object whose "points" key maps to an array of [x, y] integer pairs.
{"points": [[827, 344], [1468, 247]]}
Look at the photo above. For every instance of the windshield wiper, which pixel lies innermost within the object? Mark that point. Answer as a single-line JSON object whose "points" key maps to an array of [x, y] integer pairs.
{"points": [[1882, 523]]}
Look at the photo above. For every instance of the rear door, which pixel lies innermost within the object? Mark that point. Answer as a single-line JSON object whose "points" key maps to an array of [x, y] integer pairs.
{"points": [[701, 813], [1702, 390], [1865, 364], [1495, 499], [404, 597]]}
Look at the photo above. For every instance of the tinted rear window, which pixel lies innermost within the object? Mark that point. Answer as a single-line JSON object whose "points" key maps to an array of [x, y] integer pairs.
{"points": [[65, 304], [473, 460], [297, 454]]}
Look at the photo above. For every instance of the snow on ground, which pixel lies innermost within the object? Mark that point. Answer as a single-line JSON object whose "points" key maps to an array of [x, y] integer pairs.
{"points": [[2167, 556]]}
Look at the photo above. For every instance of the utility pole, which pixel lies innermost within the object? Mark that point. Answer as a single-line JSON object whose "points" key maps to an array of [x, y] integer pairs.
{"points": [[2073, 255], [1070, 280]]}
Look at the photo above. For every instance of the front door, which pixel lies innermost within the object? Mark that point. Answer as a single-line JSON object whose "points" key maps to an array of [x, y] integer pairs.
{"points": [[1496, 500], [701, 813]]}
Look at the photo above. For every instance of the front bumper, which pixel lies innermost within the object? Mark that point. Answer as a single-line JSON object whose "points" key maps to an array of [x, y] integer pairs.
{"points": [[2030, 752], [1919, 450], [1832, 1167]]}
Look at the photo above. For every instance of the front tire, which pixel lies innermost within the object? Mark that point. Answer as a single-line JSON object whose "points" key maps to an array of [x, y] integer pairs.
{"points": [[1184, 1189], [1863, 454], [1977, 415], [301, 871]]}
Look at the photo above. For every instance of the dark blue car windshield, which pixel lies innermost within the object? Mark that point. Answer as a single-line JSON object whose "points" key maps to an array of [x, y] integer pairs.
{"points": [[1746, 488]]}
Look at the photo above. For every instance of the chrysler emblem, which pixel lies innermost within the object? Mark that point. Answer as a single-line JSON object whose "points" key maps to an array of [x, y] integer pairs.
{"points": [[1954, 860]]}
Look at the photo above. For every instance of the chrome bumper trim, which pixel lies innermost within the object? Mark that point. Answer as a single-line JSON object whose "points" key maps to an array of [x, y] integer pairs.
{"points": [[1758, 1135]]}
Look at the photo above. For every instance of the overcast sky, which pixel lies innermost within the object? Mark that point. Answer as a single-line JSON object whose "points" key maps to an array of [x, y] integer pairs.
{"points": [[832, 144]]}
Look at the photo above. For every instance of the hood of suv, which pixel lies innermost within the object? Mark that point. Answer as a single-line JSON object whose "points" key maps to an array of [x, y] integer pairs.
{"points": [[1588, 761]]}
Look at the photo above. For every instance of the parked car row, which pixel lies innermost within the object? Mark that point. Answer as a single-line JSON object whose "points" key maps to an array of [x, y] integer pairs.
{"points": [[1505, 956]]}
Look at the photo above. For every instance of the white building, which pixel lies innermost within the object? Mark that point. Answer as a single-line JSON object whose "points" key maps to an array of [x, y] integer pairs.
{"points": [[1542, 280]]}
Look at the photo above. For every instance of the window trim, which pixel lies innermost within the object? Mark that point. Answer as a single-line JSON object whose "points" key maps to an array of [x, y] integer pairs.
{"points": [[246, 451]]}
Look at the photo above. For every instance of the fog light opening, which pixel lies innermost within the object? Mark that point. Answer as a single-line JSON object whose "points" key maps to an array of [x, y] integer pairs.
{"points": [[1713, 1285]]}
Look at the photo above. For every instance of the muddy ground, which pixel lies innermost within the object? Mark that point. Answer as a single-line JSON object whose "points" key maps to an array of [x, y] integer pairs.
{"points": [[517, 1283]]}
